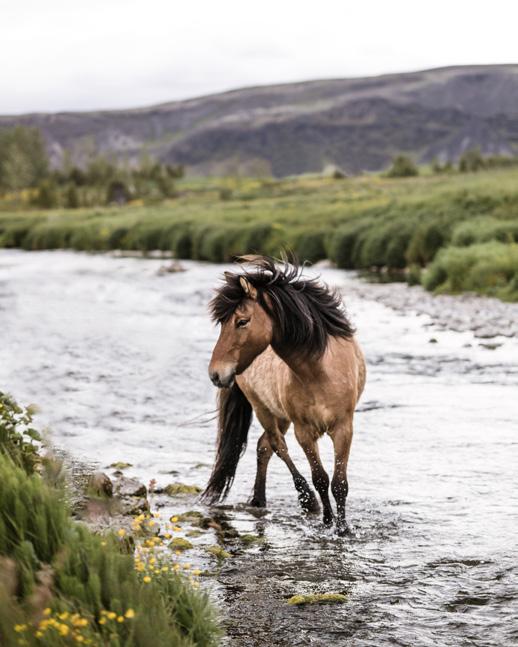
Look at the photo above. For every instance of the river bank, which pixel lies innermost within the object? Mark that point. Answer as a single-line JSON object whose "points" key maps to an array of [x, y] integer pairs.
{"points": [[484, 316]]}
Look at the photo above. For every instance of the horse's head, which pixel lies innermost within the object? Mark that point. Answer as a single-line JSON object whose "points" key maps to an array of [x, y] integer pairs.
{"points": [[245, 334]]}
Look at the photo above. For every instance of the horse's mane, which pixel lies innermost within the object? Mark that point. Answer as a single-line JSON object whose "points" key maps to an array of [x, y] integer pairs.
{"points": [[305, 312]]}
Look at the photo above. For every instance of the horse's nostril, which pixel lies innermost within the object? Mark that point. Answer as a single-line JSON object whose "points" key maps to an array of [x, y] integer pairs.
{"points": [[214, 377]]}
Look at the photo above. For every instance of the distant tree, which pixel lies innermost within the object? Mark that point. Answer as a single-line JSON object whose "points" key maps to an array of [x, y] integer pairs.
{"points": [[72, 197], [23, 158], [439, 168], [47, 196], [471, 161], [402, 166], [117, 193]]}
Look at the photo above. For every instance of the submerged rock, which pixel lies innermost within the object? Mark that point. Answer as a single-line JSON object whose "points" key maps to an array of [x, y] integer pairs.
{"points": [[317, 598], [174, 489]]}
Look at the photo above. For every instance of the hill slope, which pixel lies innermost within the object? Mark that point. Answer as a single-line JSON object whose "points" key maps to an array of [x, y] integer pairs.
{"points": [[299, 127]]}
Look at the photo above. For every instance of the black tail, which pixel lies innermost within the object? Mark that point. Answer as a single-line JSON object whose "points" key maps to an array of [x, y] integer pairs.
{"points": [[235, 417]]}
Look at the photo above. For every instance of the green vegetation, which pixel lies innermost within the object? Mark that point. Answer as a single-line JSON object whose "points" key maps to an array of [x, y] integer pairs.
{"points": [[398, 222], [367, 223], [402, 166], [317, 598], [61, 584], [26, 178]]}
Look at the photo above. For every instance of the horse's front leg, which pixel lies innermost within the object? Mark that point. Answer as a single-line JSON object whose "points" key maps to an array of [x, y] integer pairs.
{"points": [[342, 437], [264, 453], [320, 478]]}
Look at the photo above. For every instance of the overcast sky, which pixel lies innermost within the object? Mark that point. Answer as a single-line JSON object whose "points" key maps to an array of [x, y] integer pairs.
{"points": [[90, 54]]}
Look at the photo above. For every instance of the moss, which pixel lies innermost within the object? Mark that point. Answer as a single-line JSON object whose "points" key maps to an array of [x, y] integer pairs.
{"points": [[179, 543], [120, 465], [317, 598], [174, 489], [251, 539], [218, 552]]}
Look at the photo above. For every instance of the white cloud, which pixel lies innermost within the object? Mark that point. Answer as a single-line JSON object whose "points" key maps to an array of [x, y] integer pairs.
{"points": [[62, 55]]}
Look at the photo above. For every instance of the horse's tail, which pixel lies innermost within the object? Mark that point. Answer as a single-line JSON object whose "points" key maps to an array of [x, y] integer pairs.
{"points": [[234, 419]]}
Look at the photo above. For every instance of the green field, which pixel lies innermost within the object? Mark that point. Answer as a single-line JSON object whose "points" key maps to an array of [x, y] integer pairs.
{"points": [[451, 232]]}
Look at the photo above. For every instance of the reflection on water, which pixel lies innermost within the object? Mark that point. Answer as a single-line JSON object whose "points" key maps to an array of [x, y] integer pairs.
{"points": [[116, 357]]}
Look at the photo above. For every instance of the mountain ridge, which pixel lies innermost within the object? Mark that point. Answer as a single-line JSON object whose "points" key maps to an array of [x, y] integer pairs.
{"points": [[356, 123]]}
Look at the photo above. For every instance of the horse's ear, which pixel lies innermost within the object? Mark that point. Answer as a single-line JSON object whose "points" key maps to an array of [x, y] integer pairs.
{"points": [[248, 288]]}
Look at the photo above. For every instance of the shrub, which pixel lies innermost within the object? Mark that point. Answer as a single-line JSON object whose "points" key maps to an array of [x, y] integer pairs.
{"points": [[311, 247], [482, 230], [426, 240], [402, 166], [47, 196], [487, 268], [471, 161], [343, 244]]}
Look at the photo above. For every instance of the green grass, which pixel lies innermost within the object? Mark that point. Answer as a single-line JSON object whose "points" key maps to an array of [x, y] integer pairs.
{"points": [[61, 584], [368, 222]]}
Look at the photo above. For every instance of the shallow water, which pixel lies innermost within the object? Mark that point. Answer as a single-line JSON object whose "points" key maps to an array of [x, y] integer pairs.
{"points": [[116, 355]]}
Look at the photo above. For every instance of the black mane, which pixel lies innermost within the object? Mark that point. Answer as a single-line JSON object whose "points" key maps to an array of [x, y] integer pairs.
{"points": [[305, 312]]}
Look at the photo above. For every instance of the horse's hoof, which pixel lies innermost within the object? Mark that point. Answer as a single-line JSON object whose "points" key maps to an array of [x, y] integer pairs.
{"points": [[328, 521], [309, 503], [342, 530], [257, 503]]}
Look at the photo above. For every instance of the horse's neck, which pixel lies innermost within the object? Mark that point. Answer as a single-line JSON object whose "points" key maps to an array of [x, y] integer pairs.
{"points": [[304, 367]]}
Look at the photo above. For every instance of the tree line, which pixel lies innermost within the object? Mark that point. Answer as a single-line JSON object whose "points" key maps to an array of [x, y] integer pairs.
{"points": [[25, 165]]}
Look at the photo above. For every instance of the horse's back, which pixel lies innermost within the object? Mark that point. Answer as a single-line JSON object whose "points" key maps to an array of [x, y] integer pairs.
{"points": [[325, 395]]}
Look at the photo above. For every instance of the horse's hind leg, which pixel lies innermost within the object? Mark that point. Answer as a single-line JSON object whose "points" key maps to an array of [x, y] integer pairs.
{"points": [[342, 438], [318, 473], [264, 453], [275, 430]]}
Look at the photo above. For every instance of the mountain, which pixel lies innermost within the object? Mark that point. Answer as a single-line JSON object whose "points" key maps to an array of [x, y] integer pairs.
{"points": [[357, 124]]}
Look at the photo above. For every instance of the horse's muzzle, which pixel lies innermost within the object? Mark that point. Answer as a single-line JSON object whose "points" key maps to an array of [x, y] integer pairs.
{"points": [[222, 380]]}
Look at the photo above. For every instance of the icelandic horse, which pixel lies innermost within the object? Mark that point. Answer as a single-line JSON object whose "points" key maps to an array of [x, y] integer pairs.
{"points": [[287, 351]]}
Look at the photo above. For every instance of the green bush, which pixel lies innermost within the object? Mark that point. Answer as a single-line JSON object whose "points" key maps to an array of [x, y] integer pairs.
{"points": [[402, 166], [311, 247], [482, 230], [18, 438], [426, 240], [487, 268], [471, 161], [344, 243]]}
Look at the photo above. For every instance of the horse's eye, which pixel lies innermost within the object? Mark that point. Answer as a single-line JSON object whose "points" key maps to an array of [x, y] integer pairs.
{"points": [[241, 323]]}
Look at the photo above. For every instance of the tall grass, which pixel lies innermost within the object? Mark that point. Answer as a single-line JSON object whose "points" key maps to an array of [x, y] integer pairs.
{"points": [[61, 584], [365, 223]]}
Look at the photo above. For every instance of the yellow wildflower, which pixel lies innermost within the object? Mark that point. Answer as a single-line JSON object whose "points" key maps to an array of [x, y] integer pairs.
{"points": [[47, 611], [130, 613], [120, 618], [147, 579], [111, 615], [121, 532], [20, 628]]}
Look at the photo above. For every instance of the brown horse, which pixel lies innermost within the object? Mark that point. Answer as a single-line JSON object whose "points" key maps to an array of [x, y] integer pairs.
{"points": [[287, 351]]}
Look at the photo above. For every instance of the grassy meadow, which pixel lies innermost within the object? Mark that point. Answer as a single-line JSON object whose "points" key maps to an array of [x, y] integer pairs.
{"points": [[452, 232]]}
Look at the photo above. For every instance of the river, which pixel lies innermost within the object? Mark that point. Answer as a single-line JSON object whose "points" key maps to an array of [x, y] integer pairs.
{"points": [[116, 356]]}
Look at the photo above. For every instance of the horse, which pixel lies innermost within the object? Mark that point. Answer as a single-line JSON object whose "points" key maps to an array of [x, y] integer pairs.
{"points": [[287, 352]]}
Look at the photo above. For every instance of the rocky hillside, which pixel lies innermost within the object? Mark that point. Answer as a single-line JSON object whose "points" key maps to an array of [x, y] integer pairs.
{"points": [[357, 124]]}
